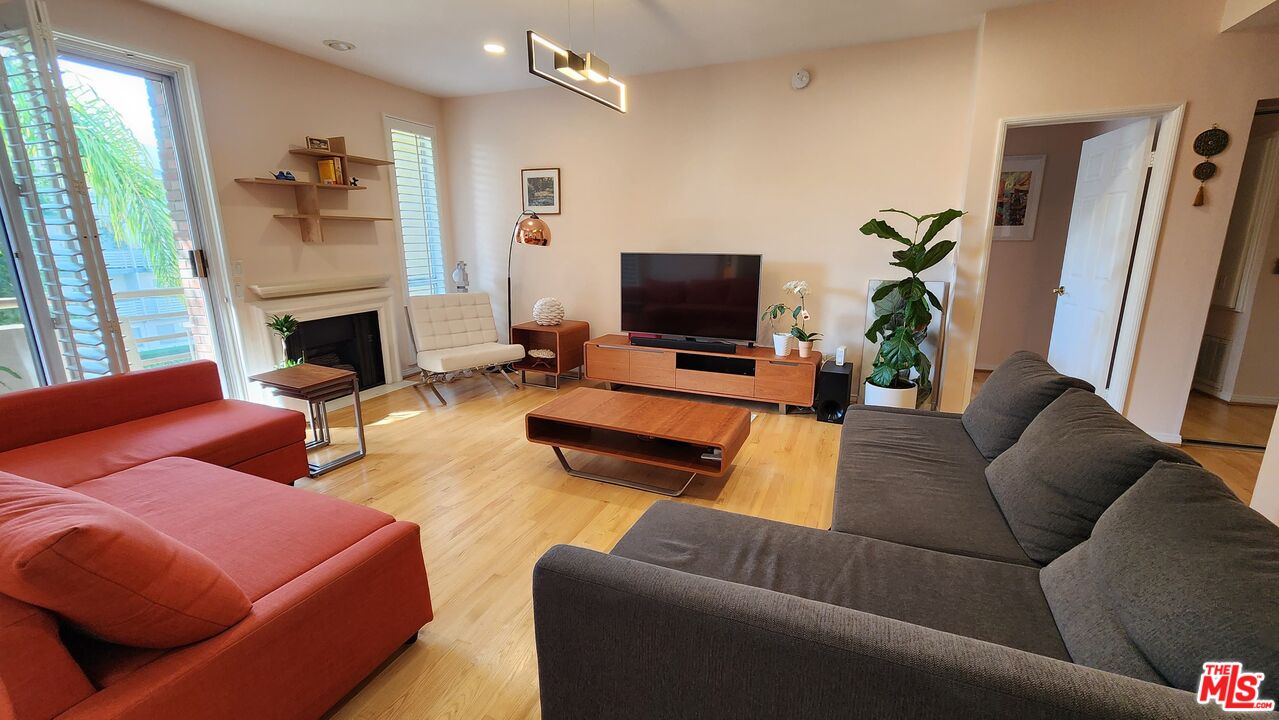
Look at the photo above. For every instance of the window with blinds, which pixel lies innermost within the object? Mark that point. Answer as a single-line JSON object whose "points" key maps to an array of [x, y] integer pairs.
{"points": [[418, 206]]}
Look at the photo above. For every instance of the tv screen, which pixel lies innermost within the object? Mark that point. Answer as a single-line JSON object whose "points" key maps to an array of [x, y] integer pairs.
{"points": [[691, 295]]}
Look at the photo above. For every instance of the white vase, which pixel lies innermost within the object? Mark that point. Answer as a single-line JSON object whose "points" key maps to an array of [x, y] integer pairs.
{"points": [[805, 348], [781, 344], [891, 397]]}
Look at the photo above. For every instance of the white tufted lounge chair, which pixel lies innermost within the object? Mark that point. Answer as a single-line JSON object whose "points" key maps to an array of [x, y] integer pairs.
{"points": [[456, 332]]}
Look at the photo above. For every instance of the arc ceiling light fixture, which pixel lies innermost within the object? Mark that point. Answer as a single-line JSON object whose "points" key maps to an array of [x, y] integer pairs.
{"points": [[583, 73]]}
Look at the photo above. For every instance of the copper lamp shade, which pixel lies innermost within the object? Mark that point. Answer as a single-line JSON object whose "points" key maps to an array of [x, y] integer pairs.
{"points": [[533, 230]]}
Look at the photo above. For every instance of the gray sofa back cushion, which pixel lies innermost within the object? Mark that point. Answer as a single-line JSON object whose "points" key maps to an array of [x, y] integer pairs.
{"points": [[1073, 461], [1013, 395], [1178, 572]]}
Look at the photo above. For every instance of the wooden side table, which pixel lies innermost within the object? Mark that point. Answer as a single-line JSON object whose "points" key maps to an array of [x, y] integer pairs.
{"points": [[317, 385], [567, 340]]}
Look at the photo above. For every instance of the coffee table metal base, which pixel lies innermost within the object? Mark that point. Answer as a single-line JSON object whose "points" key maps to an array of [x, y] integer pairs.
{"points": [[620, 481]]}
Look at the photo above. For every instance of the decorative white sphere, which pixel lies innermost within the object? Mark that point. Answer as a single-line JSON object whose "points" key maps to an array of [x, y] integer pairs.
{"points": [[548, 311]]}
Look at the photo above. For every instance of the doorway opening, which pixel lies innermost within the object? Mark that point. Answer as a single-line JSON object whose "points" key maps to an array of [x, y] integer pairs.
{"points": [[1076, 216], [1231, 407]]}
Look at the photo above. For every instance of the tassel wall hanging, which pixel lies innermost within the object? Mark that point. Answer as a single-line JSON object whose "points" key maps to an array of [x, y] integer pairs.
{"points": [[1208, 144]]}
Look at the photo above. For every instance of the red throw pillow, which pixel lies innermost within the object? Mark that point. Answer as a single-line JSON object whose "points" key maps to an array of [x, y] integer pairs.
{"points": [[38, 678], [108, 572]]}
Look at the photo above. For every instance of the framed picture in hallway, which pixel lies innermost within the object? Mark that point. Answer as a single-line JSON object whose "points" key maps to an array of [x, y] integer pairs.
{"points": [[1017, 200], [541, 190]]}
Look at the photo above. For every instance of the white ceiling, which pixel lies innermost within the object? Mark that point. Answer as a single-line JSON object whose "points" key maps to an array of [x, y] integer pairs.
{"points": [[436, 45]]}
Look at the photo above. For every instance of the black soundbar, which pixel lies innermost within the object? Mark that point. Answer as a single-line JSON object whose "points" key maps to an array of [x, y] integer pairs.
{"points": [[714, 346]]}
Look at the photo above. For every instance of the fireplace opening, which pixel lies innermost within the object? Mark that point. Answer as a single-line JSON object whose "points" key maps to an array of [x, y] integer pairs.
{"points": [[348, 342]]}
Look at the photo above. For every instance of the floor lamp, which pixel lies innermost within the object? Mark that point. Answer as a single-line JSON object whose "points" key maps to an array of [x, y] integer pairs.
{"points": [[529, 230]]}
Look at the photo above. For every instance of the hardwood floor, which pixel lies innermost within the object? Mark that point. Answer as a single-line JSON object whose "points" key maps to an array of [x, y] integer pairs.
{"points": [[1215, 420], [490, 504]]}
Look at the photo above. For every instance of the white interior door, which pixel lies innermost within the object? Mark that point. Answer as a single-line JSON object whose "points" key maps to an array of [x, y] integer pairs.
{"points": [[1103, 228]]}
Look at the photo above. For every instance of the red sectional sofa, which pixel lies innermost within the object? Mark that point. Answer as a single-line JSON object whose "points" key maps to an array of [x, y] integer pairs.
{"points": [[70, 433], [334, 587]]}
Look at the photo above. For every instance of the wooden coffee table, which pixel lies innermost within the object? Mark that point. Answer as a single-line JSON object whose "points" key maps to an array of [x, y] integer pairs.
{"points": [[695, 437]]}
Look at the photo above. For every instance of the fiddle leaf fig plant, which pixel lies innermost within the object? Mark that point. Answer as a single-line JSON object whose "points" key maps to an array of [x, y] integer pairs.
{"points": [[903, 306]]}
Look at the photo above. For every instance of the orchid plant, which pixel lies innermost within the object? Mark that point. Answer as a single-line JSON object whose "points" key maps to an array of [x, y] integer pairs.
{"points": [[799, 314]]}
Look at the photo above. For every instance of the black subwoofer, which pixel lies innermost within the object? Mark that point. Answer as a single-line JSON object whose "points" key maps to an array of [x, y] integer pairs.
{"points": [[834, 386]]}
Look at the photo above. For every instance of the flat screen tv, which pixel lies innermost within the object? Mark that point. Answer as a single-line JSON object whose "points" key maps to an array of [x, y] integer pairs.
{"points": [[691, 295]]}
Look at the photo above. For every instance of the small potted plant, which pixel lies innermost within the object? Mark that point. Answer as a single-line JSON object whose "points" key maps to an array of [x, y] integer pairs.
{"points": [[901, 373], [781, 340], [800, 317], [283, 326]]}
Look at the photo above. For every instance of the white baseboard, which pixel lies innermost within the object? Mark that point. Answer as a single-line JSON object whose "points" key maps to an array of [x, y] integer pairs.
{"points": [[1209, 389], [1254, 399], [1170, 438]]}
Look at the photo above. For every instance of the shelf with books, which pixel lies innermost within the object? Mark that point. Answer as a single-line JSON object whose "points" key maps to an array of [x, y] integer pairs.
{"points": [[332, 172]]}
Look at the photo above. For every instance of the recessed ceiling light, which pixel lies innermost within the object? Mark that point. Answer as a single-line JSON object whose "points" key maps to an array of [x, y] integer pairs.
{"points": [[495, 48], [340, 45]]}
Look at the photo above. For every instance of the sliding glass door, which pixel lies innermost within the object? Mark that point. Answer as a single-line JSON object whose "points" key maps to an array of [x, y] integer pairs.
{"points": [[132, 155], [102, 268]]}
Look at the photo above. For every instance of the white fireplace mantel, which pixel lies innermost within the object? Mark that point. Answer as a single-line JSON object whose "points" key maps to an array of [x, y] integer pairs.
{"points": [[263, 348]]}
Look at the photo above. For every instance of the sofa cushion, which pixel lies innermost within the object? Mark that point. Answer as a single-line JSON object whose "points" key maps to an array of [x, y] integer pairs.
{"points": [[914, 477], [38, 678], [1011, 397], [222, 432], [108, 572], [987, 600], [262, 534], [1073, 461], [1181, 573], [469, 356]]}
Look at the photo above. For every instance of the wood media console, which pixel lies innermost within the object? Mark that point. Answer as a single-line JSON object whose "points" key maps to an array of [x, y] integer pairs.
{"points": [[749, 374]]}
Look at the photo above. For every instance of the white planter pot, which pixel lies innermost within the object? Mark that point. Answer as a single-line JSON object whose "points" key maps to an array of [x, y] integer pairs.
{"points": [[805, 348], [891, 397], [781, 344]]}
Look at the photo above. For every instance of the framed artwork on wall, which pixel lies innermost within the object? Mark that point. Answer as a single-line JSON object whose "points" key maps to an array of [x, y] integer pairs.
{"points": [[541, 190], [1017, 200]]}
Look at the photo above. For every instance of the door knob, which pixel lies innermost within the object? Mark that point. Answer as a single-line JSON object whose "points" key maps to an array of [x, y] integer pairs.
{"points": [[1059, 290]]}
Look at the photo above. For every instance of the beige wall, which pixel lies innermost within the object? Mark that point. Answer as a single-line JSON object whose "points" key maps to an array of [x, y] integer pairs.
{"points": [[719, 159], [1019, 307], [1072, 56], [1265, 496], [256, 100]]}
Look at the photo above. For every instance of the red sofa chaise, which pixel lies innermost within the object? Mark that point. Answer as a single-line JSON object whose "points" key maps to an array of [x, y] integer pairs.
{"points": [[332, 588]]}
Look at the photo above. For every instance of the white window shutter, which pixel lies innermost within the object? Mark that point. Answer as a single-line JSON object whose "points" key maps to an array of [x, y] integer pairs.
{"points": [[418, 209], [47, 201]]}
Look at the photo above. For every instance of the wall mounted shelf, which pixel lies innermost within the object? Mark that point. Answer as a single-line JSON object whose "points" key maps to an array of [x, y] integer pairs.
{"points": [[307, 194]]}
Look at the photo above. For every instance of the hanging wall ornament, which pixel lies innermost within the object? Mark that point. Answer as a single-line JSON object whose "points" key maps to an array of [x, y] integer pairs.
{"points": [[1208, 144]]}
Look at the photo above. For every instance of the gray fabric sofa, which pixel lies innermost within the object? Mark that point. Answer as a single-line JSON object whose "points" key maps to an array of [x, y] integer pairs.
{"points": [[995, 564]]}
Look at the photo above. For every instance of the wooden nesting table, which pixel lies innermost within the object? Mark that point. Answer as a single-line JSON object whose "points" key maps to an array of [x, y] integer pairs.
{"points": [[698, 438], [317, 385]]}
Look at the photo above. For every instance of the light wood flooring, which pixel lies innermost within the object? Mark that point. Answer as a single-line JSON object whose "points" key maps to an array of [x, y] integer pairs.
{"points": [[490, 504], [1215, 420]]}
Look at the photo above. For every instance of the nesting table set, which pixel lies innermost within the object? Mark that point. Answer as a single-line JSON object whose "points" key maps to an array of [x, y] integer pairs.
{"points": [[317, 385]]}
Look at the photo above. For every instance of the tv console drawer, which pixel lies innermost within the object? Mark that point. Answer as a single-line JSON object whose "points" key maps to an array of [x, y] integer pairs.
{"points": [[784, 381], [608, 363], [712, 382], [652, 367]]}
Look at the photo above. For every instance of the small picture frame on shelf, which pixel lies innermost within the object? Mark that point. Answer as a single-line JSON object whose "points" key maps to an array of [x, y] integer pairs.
{"points": [[540, 188], [317, 143]]}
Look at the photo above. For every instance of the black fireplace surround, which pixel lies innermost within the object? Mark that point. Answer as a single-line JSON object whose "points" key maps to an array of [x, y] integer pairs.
{"points": [[349, 342]]}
